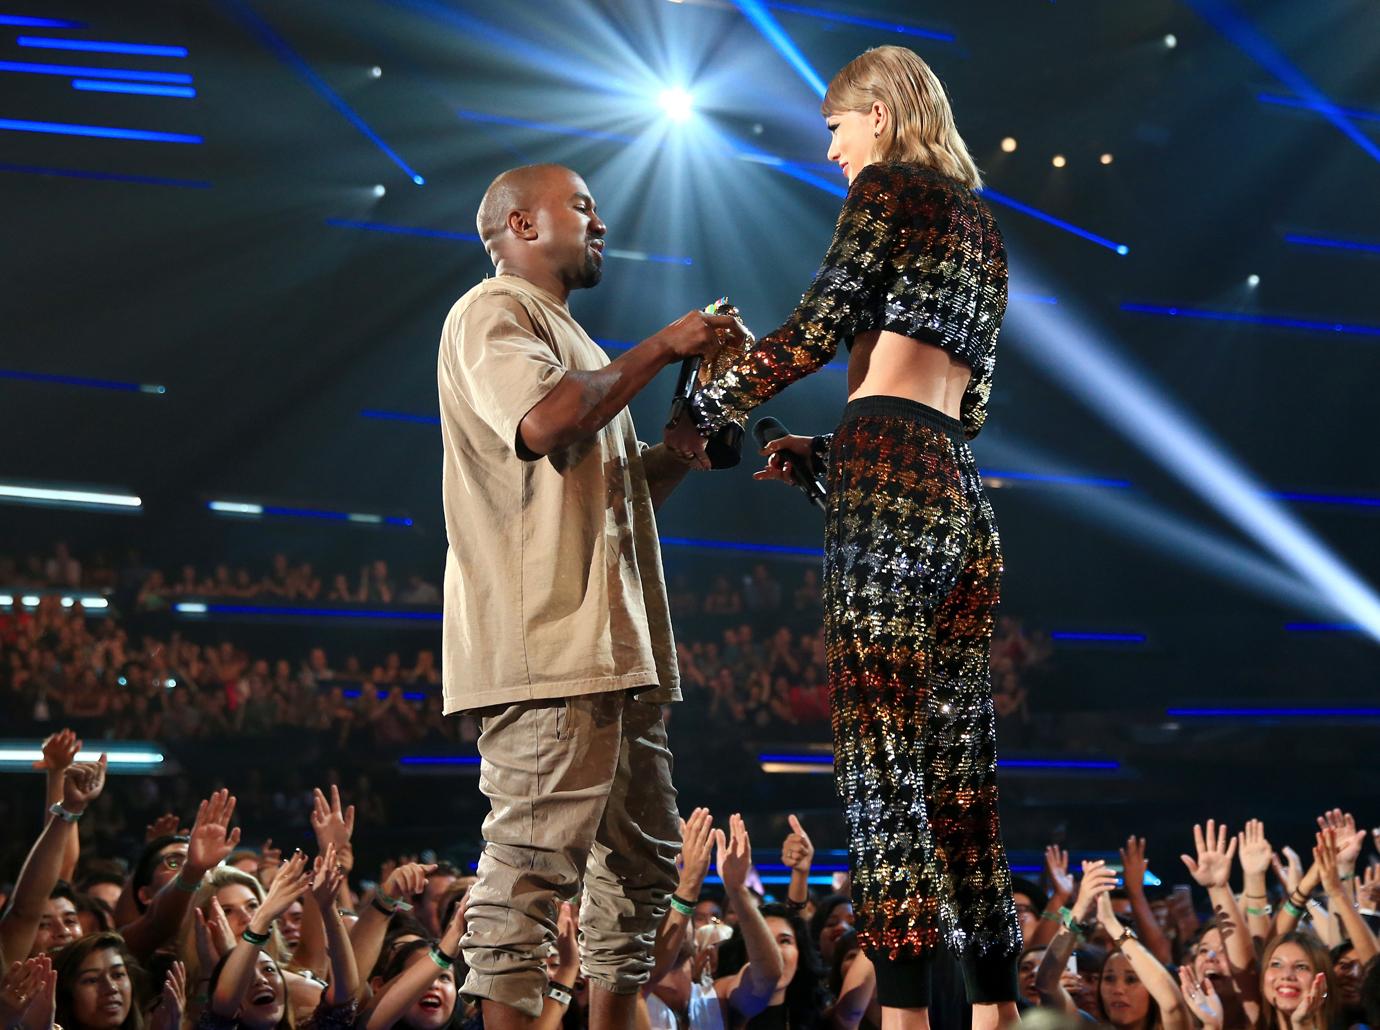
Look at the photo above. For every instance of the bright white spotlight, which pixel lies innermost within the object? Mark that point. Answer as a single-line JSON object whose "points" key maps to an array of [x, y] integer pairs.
{"points": [[375, 72], [1008, 145], [1171, 41], [677, 103], [379, 190], [1252, 280], [1106, 159], [1058, 161]]}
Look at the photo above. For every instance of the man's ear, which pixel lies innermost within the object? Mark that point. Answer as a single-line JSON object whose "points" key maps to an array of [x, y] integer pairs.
{"points": [[145, 896], [521, 225]]}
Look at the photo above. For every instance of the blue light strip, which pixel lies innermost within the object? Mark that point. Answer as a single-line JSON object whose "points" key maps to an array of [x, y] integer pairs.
{"points": [[756, 12], [1101, 638], [1359, 113], [77, 71], [1041, 477], [403, 230], [96, 46], [385, 615], [1300, 240], [1322, 627], [1276, 321], [866, 23], [24, 21], [95, 384], [290, 57], [149, 89], [96, 131], [739, 546], [1348, 500], [1274, 713], [400, 416], [81, 173], [1058, 223], [254, 510]]}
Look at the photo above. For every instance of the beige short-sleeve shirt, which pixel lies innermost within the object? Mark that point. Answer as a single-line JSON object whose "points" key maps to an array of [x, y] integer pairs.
{"points": [[553, 585]]}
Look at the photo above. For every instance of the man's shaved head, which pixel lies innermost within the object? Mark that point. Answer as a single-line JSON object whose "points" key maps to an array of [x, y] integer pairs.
{"points": [[518, 189], [539, 222]]}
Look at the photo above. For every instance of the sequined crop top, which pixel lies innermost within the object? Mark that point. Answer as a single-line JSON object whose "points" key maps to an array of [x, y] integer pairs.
{"points": [[914, 252]]}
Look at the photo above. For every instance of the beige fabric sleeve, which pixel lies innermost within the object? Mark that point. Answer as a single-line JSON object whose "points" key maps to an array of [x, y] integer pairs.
{"points": [[502, 367]]}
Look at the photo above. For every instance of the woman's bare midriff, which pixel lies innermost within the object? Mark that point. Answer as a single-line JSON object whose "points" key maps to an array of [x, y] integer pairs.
{"points": [[888, 364]]}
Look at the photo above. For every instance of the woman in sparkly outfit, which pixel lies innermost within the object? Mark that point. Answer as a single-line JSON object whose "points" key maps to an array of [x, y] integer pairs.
{"points": [[914, 282]]}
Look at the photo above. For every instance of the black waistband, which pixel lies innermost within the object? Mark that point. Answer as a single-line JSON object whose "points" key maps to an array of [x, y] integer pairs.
{"points": [[901, 407]]}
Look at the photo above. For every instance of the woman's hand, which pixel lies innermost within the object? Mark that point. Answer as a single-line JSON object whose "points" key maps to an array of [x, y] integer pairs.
{"points": [[1328, 862], [734, 854], [696, 849], [1306, 1016], [291, 883], [1253, 849], [406, 881], [1202, 998], [1097, 882], [567, 945], [59, 751], [334, 824], [797, 851], [1057, 869], [213, 935], [327, 876], [1212, 867], [783, 454], [172, 1002]]}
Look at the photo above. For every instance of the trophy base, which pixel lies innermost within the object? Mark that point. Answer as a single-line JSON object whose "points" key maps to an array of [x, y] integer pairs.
{"points": [[725, 448]]}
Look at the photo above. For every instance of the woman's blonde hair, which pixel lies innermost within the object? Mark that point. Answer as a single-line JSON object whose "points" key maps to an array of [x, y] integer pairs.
{"points": [[921, 126], [217, 878]]}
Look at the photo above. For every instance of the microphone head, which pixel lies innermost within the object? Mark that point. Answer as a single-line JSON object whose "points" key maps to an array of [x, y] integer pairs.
{"points": [[768, 429]]}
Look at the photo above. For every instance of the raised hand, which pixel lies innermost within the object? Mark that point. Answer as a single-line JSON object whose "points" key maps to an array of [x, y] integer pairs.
{"points": [[172, 1001], [455, 929], [82, 784], [293, 881], [1202, 998], [696, 849], [1368, 888], [1057, 870], [1306, 1016], [1134, 863], [568, 939], [1097, 882], [165, 825], [270, 859], [327, 876], [41, 1010], [59, 751], [211, 837], [734, 854], [1328, 861], [797, 852], [334, 825], [1348, 838], [1290, 871], [1254, 850], [406, 881], [1212, 867], [213, 934], [20, 983]]}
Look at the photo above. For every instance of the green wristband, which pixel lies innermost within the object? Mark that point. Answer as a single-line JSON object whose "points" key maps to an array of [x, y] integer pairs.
{"points": [[1268, 910], [682, 906], [1293, 909]]}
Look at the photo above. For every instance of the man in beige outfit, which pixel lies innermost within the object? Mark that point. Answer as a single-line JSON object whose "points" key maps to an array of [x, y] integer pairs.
{"points": [[557, 633]]}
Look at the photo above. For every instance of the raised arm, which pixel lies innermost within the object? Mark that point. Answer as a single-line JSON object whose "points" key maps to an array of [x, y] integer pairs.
{"points": [[797, 855], [1174, 1013], [289, 885], [1049, 978], [697, 845], [399, 993], [1339, 899], [1061, 892], [59, 752], [1134, 863], [1212, 870], [831, 309], [1254, 852], [327, 878], [856, 994], [82, 784], [749, 990], [371, 928]]}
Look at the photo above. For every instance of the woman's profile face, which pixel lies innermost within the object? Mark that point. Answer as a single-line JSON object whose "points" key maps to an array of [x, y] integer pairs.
{"points": [[850, 141]]}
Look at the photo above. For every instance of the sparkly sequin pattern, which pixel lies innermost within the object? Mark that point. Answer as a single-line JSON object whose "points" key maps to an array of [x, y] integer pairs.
{"points": [[912, 577], [914, 252]]}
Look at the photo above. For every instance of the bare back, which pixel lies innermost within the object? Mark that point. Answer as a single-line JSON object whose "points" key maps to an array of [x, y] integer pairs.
{"points": [[889, 364]]}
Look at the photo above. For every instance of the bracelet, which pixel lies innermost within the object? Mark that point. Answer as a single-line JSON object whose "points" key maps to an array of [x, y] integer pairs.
{"points": [[257, 939], [560, 993], [1268, 910], [440, 957], [387, 910], [1256, 897], [1053, 917], [792, 904], [685, 908], [1292, 909], [1341, 876], [1127, 934], [1072, 925], [68, 817], [181, 885]]}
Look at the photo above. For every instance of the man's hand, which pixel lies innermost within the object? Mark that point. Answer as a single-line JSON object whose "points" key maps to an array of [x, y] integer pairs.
{"points": [[165, 825], [59, 751], [82, 784], [685, 443], [1212, 868], [696, 333], [211, 837], [797, 853]]}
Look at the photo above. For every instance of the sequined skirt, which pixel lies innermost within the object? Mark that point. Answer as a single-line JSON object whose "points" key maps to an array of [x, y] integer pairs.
{"points": [[912, 577]]}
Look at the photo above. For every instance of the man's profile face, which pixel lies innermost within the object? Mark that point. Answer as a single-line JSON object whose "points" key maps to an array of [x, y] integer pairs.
{"points": [[569, 230]]}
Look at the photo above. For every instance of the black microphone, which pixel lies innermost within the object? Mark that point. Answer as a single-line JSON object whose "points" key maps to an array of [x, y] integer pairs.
{"points": [[686, 383], [768, 429]]}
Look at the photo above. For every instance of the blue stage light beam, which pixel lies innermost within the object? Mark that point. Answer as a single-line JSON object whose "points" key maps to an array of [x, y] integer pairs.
{"points": [[756, 12], [400, 416], [78, 71], [1328, 243], [1355, 113], [1070, 352], [140, 88], [1310, 325], [96, 131], [94, 384], [841, 18], [96, 46], [1058, 223], [24, 21], [1238, 30], [266, 34], [82, 173]]}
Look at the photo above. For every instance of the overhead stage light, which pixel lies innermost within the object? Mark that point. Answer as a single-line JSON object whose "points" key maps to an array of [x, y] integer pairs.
{"points": [[375, 72], [1008, 145], [677, 104], [380, 190], [1106, 159], [1058, 161], [1171, 41], [1252, 281]]}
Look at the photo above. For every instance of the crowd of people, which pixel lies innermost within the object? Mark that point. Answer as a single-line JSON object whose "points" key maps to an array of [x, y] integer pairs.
{"points": [[210, 925]]}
